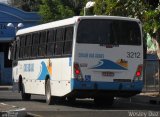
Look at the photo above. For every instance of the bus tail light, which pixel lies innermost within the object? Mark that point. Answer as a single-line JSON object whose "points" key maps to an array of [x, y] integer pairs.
{"points": [[77, 72], [138, 74]]}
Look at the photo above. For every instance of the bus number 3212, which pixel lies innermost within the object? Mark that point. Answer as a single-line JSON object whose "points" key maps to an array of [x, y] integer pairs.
{"points": [[133, 55]]}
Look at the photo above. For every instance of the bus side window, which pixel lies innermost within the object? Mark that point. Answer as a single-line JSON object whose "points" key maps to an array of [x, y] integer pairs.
{"points": [[28, 46], [59, 41], [17, 49], [68, 40], [22, 46], [51, 42], [35, 45], [42, 45], [14, 51], [15, 55]]}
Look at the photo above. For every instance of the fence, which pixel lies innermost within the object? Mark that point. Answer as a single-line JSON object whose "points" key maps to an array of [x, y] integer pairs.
{"points": [[151, 76]]}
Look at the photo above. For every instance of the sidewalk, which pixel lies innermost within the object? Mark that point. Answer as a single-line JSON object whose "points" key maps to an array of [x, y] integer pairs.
{"points": [[150, 97], [11, 111], [5, 87]]}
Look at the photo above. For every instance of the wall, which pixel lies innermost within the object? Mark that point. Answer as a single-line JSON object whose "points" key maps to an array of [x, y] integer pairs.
{"points": [[12, 15]]}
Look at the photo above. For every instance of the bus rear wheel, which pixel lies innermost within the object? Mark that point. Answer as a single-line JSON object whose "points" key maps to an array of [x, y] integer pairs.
{"points": [[49, 97]]}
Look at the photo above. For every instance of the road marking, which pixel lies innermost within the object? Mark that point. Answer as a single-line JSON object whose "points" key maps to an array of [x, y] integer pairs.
{"points": [[18, 108], [3, 104], [34, 115]]}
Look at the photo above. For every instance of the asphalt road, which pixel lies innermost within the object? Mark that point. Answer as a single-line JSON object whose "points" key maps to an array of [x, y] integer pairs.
{"points": [[137, 106]]}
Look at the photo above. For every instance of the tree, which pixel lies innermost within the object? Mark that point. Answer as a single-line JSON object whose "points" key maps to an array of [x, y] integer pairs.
{"points": [[26, 5], [142, 9], [47, 10], [75, 5], [51, 10], [64, 11], [130, 8]]}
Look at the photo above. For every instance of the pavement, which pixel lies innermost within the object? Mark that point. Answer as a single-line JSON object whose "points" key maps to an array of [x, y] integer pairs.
{"points": [[10, 110], [13, 111], [153, 97], [5, 87]]}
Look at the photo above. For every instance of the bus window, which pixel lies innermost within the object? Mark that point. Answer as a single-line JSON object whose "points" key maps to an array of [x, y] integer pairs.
{"points": [[94, 31], [22, 47], [13, 51], [51, 35], [17, 48], [68, 40], [42, 46], [127, 32], [99, 31], [59, 41], [28, 46], [22, 40], [35, 38], [51, 42]]}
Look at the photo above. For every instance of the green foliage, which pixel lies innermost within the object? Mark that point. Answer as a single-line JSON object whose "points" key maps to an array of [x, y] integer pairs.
{"points": [[130, 8], [26, 5], [47, 10], [51, 10], [140, 9], [152, 21], [75, 5], [64, 11]]}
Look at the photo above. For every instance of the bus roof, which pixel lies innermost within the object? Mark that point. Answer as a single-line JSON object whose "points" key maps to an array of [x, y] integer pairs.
{"points": [[68, 21]]}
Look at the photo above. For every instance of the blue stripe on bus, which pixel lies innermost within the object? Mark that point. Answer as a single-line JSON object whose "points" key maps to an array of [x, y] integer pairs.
{"points": [[107, 64], [44, 71], [84, 85]]}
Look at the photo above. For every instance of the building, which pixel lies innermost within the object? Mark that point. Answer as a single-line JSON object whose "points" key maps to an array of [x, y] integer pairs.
{"points": [[15, 16]]}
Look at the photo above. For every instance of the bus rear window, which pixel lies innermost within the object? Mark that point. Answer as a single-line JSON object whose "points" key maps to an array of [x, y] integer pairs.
{"points": [[106, 31]]}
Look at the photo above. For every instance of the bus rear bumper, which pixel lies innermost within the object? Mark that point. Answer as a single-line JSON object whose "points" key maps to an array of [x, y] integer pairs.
{"points": [[116, 89]]}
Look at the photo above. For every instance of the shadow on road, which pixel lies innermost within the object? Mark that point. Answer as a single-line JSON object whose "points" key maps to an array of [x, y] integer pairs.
{"points": [[121, 103], [9, 100], [135, 103]]}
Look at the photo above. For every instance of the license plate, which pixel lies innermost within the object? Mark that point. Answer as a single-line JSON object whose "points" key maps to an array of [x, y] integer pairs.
{"points": [[110, 74]]}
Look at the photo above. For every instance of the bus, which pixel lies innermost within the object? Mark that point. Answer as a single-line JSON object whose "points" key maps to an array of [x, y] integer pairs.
{"points": [[97, 57]]}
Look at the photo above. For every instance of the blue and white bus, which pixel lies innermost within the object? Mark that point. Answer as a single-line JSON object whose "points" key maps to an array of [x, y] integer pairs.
{"points": [[98, 57]]}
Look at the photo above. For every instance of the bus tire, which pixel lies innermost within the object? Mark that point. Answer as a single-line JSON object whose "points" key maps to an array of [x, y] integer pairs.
{"points": [[20, 84], [25, 96], [49, 97], [104, 101]]}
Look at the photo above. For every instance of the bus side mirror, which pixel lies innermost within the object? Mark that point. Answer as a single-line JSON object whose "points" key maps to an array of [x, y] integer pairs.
{"points": [[9, 53]]}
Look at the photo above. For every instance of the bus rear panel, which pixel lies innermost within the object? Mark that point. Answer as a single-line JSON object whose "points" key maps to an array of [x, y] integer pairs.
{"points": [[108, 58]]}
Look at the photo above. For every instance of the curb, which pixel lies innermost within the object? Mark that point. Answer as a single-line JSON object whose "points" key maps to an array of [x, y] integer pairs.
{"points": [[152, 94], [4, 88], [153, 97], [11, 111], [33, 115]]}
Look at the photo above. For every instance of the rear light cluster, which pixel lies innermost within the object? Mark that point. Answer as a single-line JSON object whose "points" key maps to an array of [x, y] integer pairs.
{"points": [[139, 72], [77, 72]]}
